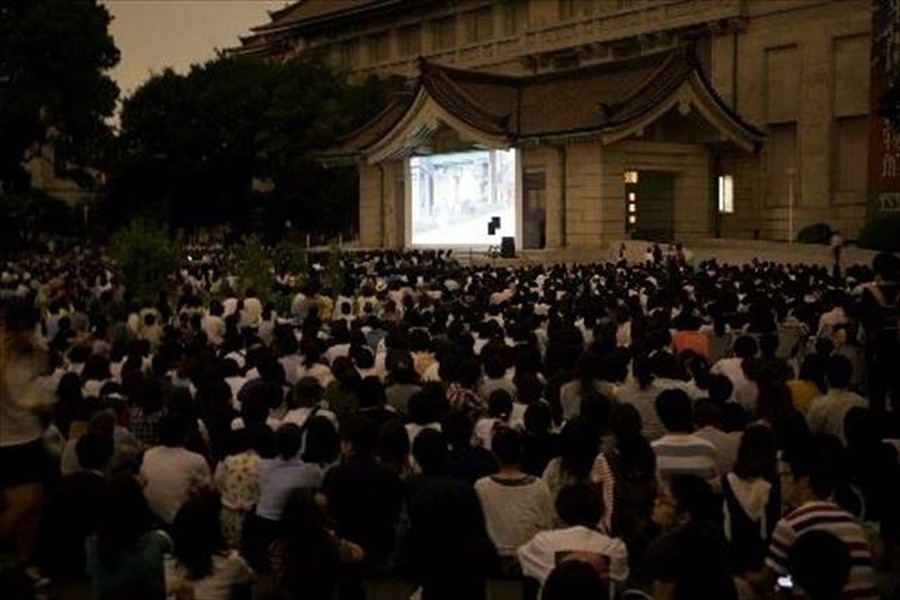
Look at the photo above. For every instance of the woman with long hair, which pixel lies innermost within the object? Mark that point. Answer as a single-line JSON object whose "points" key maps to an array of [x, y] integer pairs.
{"points": [[689, 559], [580, 445], [306, 557], [202, 567], [752, 499], [125, 557], [627, 475]]}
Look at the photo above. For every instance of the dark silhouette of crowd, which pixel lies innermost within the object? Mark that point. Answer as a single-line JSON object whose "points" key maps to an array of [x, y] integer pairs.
{"points": [[681, 431]]}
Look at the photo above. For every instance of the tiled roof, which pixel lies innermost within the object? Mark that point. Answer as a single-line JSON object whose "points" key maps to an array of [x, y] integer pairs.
{"points": [[356, 141], [586, 100]]}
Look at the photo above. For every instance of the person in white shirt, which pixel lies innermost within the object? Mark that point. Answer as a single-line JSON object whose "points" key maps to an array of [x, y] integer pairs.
{"points": [[580, 506], [826, 413], [170, 472], [213, 324], [746, 392], [707, 420], [516, 506]]}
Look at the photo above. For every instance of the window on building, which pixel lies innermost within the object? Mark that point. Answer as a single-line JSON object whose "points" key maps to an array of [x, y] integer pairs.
{"points": [[726, 194], [409, 40], [850, 154], [444, 33], [480, 24], [515, 16], [379, 47], [781, 164]]}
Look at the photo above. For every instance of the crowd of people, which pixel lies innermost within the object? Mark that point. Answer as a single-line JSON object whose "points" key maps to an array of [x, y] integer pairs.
{"points": [[684, 431]]}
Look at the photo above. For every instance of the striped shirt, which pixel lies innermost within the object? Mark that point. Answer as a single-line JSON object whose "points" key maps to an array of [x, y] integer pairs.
{"points": [[826, 516], [685, 454]]}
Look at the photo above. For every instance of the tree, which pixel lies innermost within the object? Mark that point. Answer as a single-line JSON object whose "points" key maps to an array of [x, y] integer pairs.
{"points": [[192, 145], [54, 55]]}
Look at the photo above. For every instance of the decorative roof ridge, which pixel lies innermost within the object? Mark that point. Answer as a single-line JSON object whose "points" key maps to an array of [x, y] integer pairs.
{"points": [[674, 69], [436, 81]]}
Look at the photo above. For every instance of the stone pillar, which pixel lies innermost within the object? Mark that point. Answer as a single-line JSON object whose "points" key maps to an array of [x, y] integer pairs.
{"points": [[370, 205]]}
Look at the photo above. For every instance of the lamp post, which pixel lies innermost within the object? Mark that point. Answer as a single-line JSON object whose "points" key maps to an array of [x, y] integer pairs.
{"points": [[791, 175]]}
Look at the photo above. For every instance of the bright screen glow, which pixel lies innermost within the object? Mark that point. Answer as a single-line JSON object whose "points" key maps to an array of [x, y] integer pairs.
{"points": [[455, 196]]}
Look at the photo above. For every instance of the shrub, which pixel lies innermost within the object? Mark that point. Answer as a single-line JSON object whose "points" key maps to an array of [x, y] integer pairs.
{"points": [[881, 232], [144, 258], [817, 233], [253, 268]]}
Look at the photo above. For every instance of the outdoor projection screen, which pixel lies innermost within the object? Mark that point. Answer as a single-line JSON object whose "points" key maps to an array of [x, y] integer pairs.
{"points": [[454, 197]]}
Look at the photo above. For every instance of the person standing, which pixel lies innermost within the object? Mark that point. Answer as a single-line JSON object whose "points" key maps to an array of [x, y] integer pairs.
{"points": [[880, 316], [24, 462], [837, 246]]}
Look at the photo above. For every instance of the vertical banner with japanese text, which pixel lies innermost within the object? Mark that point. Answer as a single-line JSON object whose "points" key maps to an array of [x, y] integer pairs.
{"points": [[884, 138]]}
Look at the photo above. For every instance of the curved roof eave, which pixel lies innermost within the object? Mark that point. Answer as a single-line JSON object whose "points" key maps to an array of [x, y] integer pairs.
{"points": [[692, 94], [419, 123]]}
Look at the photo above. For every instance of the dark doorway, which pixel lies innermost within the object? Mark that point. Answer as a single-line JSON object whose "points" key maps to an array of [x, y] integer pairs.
{"points": [[534, 219], [649, 205]]}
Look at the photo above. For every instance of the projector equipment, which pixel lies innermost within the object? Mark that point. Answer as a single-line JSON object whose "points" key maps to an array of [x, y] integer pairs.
{"points": [[508, 247]]}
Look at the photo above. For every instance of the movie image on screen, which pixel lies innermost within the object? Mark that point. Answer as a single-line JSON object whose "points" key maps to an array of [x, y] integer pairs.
{"points": [[455, 197]]}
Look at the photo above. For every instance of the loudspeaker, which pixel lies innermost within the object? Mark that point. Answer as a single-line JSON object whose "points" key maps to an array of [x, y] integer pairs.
{"points": [[508, 247]]}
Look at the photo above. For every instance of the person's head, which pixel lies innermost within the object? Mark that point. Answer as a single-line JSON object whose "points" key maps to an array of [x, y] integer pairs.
{"points": [[580, 504], [500, 404], [675, 411], [323, 445], [580, 443], [358, 437], [806, 471], [538, 418], [289, 438], [393, 447], [820, 563], [123, 517], [430, 451], [424, 406], [197, 532], [838, 371], [576, 579], [756, 454], [371, 393], [886, 266], [173, 430], [707, 413], [308, 392], [508, 446], [457, 427], [720, 388], [625, 422], [745, 347], [94, 451], [683, 499]]}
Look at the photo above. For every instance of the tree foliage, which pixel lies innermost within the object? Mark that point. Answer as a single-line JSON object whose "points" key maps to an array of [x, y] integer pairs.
{"points": [[192, 145], [54, 58], [144, 257], [253, 267]]}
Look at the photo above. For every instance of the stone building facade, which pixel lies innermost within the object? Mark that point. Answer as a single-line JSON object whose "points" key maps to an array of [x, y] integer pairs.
{"points": [[767, 131]]}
